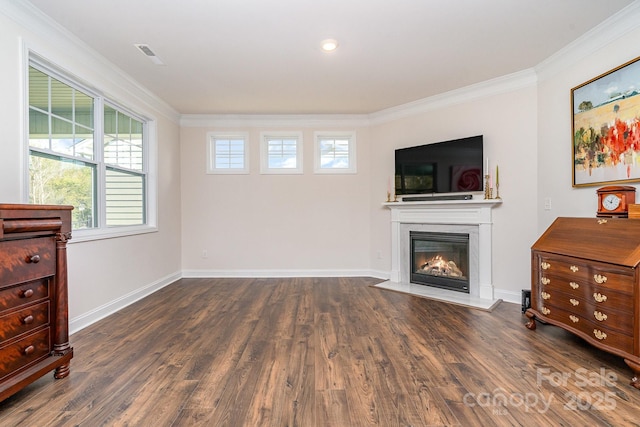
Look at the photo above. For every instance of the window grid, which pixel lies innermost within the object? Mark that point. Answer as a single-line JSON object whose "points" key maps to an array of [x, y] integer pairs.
{"points": [[281, 153], [123, 140], [64, 126], [66, 167], [335, 152], [227, 154]]}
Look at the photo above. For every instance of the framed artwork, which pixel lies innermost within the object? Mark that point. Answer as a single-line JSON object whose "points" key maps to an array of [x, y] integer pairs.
{"points": [[605, 127]]}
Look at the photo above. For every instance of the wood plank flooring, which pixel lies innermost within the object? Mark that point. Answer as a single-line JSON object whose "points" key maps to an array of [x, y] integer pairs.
{"points": [[324, 352]]}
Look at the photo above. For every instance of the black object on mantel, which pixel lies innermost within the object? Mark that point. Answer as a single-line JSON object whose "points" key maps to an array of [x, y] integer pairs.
{"points": [[438, 198]]}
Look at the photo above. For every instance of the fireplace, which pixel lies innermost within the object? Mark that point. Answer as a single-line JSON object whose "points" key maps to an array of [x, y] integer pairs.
{"points": [[440, 259], [472, 217]]}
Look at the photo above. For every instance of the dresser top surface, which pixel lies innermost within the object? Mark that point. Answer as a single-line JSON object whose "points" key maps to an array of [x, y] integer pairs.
{"points": [[609, 240]]}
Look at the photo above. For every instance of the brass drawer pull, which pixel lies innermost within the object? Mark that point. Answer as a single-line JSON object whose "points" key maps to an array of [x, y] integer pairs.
{"points": [[27, 293], [574, 302], [574, 319], [545, 281], [599, 297], [574, 268], [27, 320], [29, 350], [574, 285], [34, 259], [545, 310], [599, 316], [545, 295], [545, 265], [599, 334], [600, 278]]}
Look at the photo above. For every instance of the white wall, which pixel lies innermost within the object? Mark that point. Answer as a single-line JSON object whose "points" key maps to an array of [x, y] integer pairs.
{"points": [[265, 225], [609, 47], [507, 121], [11, 146], [261, 225], [106, 274]]}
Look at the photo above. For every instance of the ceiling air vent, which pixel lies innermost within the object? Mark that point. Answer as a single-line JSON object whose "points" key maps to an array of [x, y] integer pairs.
{"points": [[146, 50]]}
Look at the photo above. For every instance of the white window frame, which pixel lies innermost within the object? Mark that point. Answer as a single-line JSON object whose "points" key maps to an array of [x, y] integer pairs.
{"points": [[211, 153], [150, 155], [351, 136], [264, 152]]}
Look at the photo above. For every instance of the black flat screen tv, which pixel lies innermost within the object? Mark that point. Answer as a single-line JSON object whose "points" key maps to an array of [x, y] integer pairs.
{"points": [[443, 167]]}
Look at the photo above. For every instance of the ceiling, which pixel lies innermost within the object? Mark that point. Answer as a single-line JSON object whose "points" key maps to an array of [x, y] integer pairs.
{"points": [[264, 56]]}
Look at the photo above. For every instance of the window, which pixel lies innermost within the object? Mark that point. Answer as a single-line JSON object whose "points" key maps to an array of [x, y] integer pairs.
{"points": [[335, 152], [281, 153], [85, 151], [124, 168], [227, 153]]}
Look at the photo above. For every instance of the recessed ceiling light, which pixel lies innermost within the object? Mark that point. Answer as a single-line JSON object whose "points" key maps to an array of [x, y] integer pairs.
{"points": [[329, 45]]}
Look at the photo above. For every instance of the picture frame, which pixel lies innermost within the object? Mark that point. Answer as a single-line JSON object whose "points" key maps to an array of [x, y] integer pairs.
{"points": [[605, 127]]}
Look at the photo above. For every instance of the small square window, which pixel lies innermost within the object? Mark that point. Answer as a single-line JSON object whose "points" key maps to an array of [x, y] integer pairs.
{"points": [[227, 153], [281, 153], [335, 152]]}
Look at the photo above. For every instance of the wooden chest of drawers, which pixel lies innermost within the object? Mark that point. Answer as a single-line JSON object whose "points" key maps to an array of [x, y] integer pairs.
{"points": [[585, 279], [34, 337]]}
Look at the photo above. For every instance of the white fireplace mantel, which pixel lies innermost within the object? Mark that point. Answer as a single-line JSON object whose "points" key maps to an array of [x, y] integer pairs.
{"points": [[474, 213]]}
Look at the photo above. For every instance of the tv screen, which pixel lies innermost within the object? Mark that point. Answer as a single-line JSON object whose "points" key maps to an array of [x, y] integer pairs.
{"points": [[444, 167]]}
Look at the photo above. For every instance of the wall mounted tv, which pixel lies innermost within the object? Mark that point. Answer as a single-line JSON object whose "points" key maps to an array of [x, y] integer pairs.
{"points": [[444, 167]]}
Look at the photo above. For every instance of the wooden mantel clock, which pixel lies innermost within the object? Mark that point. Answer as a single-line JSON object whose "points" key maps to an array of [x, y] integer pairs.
{"points": [[614, 201]]}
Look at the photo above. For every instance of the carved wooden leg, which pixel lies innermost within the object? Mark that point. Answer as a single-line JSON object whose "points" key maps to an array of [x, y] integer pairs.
{"points": [[635, 367], [531, 324], [62, 371]]}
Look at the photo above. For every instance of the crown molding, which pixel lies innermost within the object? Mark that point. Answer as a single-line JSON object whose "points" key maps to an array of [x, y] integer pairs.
{"points": [[499, 85], [274, 120], [602, 35], [487, 88], [36, 22]]}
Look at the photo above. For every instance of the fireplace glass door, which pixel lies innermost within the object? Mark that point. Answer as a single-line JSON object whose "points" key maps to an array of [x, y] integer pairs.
{"points": [[440, 260]]}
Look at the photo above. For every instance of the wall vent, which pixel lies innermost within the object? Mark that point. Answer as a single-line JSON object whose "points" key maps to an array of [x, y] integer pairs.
{"points": [[146, 51]]}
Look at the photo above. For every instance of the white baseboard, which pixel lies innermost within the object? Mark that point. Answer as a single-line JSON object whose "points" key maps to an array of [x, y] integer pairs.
{"points": [[384, 275], [508, 296], [86, 319], [273, 273]]}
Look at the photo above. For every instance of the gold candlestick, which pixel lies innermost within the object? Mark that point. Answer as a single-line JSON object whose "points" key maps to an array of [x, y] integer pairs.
{"points": [[497, 182], [388, 196], [487, 188]]}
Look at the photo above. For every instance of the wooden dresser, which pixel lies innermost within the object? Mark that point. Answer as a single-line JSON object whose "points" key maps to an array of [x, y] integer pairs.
{"points": [[34, 327], [585, 279]]}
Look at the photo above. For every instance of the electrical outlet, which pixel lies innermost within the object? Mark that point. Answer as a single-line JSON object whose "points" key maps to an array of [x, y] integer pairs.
{"points": [[204, 253], [547, 203]]}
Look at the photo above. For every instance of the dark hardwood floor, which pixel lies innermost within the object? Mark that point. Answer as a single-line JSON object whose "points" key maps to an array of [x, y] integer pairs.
{"points": [[324, 352]]}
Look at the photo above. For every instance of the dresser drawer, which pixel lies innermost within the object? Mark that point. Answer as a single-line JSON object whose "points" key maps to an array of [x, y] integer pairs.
{"points": [[561, 271], [584, 308], [22, 353], [596, 294], [24, 260], [597, 332], [23, 294], [19, 322]]}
